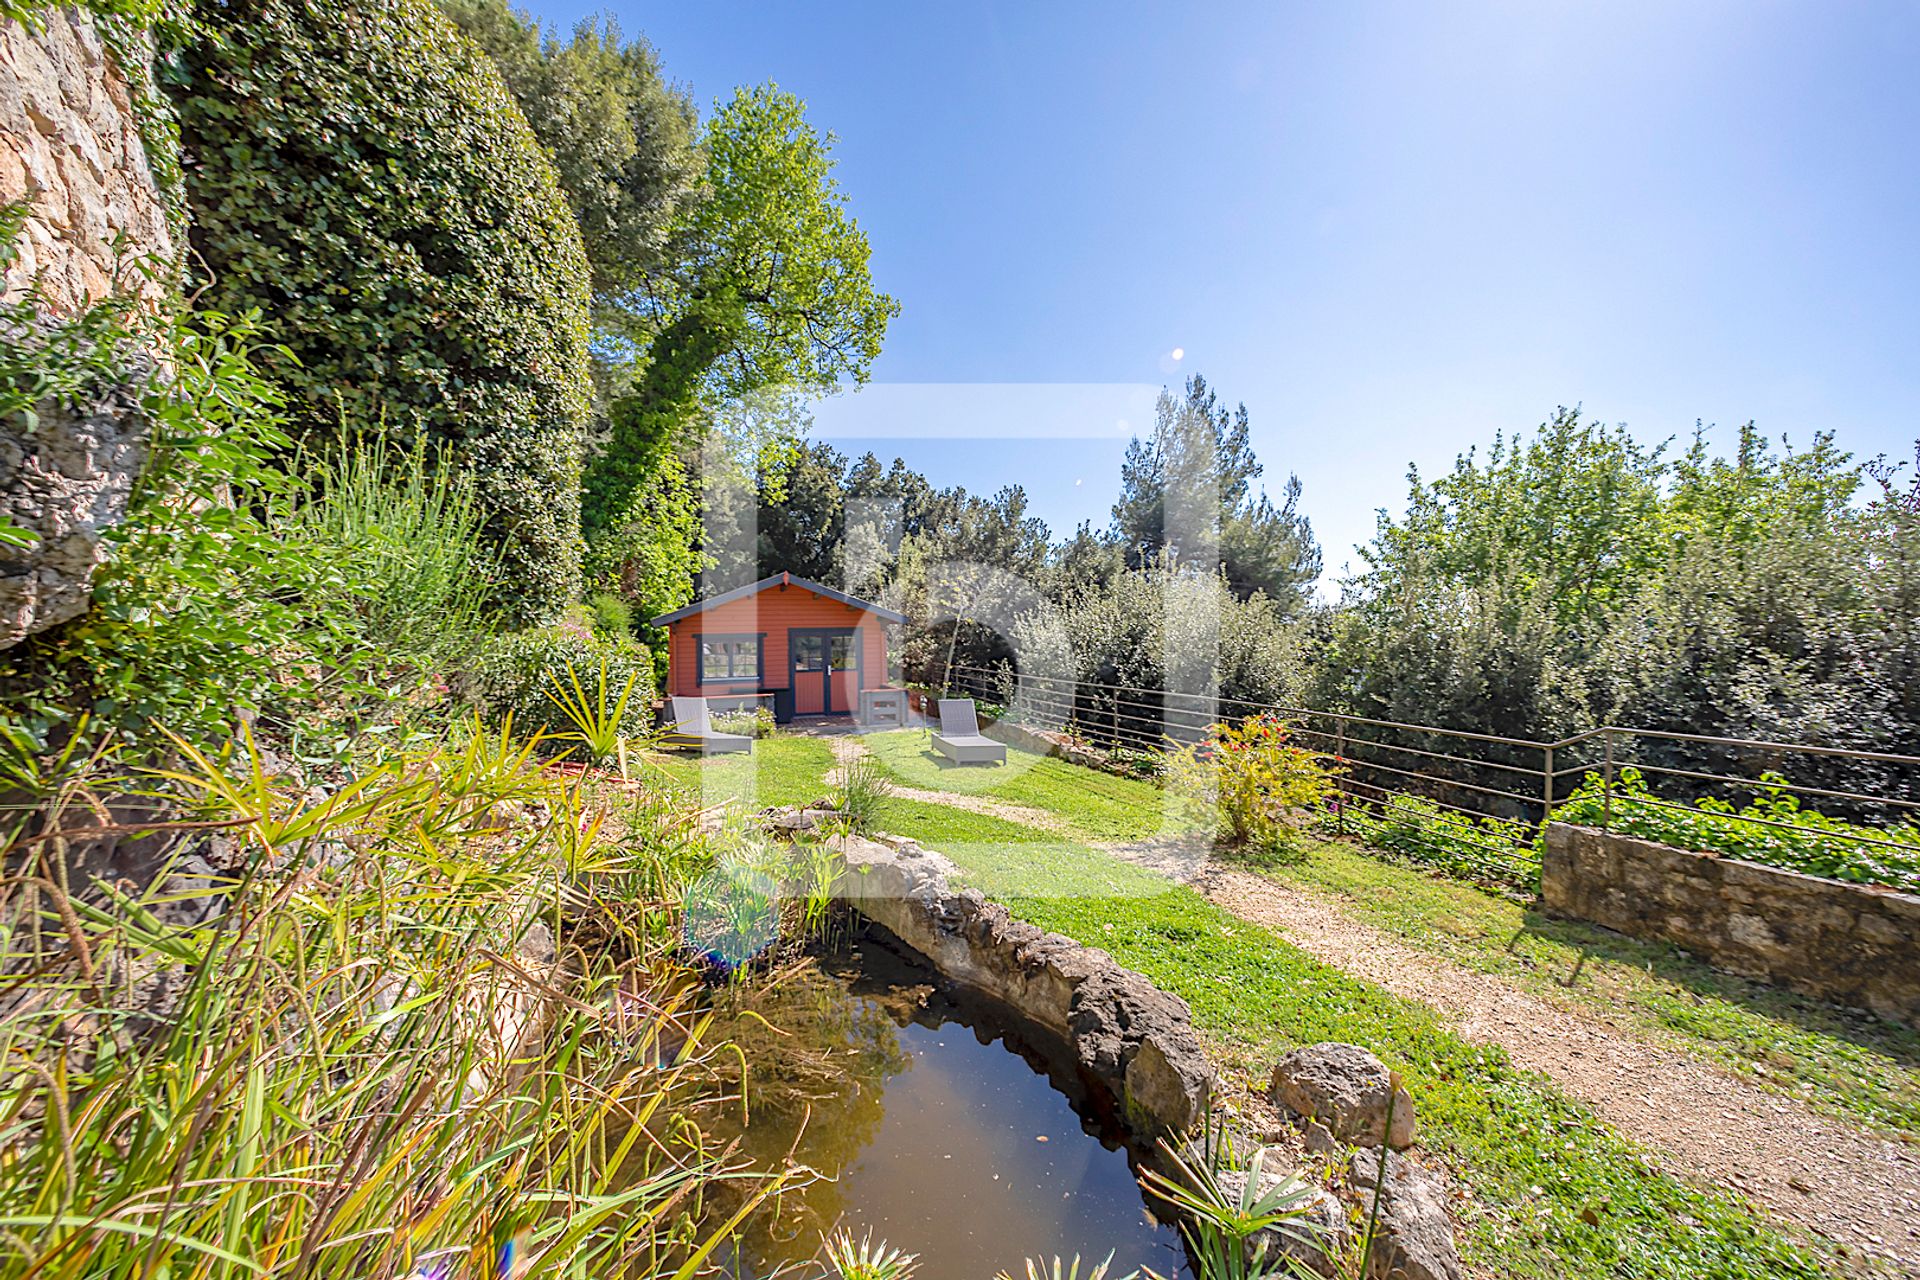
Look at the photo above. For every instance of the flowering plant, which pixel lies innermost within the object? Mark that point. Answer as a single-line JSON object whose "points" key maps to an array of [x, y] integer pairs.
{"points": [[1249, 776]]}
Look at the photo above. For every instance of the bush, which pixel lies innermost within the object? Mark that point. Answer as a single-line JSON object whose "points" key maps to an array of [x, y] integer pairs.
{"points": [[1419, 830], [521, 674], [359, 174], [612, 616], [1248, 778], [1760, 831]]}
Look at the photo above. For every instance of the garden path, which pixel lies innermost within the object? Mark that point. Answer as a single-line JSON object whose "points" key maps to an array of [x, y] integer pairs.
{"points": [[847, 749], [1856, 1188]]}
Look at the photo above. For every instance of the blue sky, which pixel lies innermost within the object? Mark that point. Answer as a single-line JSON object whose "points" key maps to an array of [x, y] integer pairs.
{"points": [[1391, 229]]}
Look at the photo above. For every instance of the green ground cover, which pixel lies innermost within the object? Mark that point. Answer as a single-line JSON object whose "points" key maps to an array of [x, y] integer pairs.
{"points": [[1850, 1064], [782, 769], [1099, 806]]}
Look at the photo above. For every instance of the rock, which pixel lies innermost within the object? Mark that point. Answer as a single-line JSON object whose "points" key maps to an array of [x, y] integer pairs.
{"points": [[1415, 1237], [1346, 1089], [1319, 1139]]}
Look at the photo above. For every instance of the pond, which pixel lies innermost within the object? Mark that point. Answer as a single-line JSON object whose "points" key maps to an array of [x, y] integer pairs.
{"points": [[927, 1121]]}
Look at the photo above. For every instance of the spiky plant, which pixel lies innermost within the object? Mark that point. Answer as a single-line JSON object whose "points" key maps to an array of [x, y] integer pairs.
{"points": [[866, 1258], [1055, 1269]]}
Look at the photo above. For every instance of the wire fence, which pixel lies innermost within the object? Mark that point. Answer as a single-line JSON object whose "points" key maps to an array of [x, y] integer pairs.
{"points": [[1481, 799]]}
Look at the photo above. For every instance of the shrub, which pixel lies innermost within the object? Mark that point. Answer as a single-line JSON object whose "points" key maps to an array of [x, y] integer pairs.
{"points": [[360, 174], [1475, 848], [523, 674], [864, 787], [612, 616], [1248, 778], [1773, 828], [403, 539]]}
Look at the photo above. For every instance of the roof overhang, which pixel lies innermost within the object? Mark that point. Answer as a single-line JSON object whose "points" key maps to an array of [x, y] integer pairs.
{"points": [[782, 580]]}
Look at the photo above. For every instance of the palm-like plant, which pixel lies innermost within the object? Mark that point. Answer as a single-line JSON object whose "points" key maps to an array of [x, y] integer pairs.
{"points": [[1055, 1269], [598, 721], [1222, 1220], [867, 1258]]}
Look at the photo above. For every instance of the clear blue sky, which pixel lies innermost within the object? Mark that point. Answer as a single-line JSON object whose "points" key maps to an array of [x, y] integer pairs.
{"points": [[1391, 229]]}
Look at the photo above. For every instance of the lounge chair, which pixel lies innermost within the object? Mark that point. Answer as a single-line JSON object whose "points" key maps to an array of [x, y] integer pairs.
{"points": [[692, 727], [960, 739]]}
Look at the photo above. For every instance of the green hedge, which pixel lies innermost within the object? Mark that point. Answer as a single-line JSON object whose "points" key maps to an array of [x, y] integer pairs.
{"points": [[358, 172]]}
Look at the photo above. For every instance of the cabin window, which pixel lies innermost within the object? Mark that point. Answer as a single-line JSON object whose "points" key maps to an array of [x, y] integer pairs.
{"points": [[809, 653], [729, 658]]}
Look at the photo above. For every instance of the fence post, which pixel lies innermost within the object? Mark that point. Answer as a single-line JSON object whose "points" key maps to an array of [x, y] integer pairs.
{"points": [[1546, 791], [1340, 783], [1606, 803]]}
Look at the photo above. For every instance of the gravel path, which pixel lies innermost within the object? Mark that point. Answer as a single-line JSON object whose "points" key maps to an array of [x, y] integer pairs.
{"points": [[1858, 1190], [846, 748]]}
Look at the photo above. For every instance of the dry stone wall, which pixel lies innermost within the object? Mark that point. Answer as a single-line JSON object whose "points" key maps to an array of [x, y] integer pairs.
{"points": [[1842, 942], [70, 143]]}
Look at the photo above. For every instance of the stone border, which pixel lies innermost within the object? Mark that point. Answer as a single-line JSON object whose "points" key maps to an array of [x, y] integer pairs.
{"points": [[1847, 943], [1132, 1038]]}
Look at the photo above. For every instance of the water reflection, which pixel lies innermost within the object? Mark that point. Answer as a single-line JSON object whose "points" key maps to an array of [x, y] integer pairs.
{"points": [[919, 1123]]}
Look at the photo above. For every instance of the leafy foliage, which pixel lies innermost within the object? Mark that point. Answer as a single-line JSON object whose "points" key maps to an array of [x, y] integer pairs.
{"points": [[196, 589], [1473, 847], [766, 284], [361, 176], [1189, 487], [1773, 828], [526, 675], [1250, 780]]}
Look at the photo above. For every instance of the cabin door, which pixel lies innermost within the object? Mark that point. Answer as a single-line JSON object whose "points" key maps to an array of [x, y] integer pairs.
{"points": [[826, 671]]}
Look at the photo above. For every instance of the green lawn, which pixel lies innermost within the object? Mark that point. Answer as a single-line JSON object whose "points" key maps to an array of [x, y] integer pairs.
{"points": [[782, 769], [1850, 1064], [1099, 806]]}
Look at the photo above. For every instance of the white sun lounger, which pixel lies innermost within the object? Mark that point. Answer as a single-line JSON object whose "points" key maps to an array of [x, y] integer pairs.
{"points": [[960, 739], [692, 727]]}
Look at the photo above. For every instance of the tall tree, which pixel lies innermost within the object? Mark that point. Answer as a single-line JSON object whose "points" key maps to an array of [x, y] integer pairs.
{"points": [[1188, 489], [766, 284]]}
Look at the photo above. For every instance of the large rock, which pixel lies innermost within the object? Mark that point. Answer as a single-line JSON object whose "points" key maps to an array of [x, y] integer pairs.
{"points": [[1415, 1237], [1346, 1089], [1124, 1028], [66, 479], [96, 225]]}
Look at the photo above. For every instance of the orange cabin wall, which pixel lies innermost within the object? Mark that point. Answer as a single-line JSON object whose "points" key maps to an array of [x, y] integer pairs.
{"points": [[775, 611]]}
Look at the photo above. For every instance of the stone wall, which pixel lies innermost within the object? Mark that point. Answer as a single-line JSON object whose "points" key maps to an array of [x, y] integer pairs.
{"points": [[70, 142], [69, 135], [1834, 941]]}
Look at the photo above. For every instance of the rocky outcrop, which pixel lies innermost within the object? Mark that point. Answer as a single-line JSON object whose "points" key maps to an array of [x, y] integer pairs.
{"points": [[1134, 1039], [65, 478], [70, 145], [70, 139], [1347, 1090], [1415, 1237]]}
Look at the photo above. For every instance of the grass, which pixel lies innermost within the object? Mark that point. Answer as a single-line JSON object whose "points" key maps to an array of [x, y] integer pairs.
{"points": [[1099, 806], [780, 770], [1854, 1065], [1536, 1163]]}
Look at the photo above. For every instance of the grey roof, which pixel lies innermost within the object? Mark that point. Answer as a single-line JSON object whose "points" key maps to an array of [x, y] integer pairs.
{"points": [[779, 580]]}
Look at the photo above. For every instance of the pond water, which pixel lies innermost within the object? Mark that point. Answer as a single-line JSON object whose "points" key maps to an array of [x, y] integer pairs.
{"points": [[928, 1123]]}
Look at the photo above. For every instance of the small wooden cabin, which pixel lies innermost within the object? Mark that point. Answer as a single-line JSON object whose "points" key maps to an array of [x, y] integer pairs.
{"points": [[806, 648]]}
